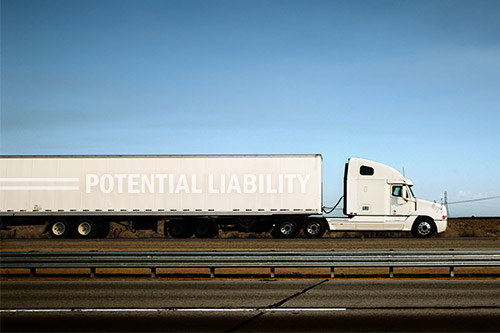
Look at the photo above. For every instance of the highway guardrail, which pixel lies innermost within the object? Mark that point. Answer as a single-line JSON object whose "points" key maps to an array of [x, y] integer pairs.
{"points": [[249, 259]]}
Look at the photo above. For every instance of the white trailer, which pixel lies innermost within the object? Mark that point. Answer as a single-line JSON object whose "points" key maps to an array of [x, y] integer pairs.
{"points": [[200, 194]]}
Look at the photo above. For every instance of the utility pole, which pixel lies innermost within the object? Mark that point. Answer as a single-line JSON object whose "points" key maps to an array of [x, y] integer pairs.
{"points": [[446, 202]]}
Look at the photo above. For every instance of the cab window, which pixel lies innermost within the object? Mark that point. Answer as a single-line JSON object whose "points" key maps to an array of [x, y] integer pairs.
{"points": [[397, 191], [366, 171]]}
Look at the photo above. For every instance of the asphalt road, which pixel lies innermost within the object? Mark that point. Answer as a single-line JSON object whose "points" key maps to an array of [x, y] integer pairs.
{"points": [[269, 306]]}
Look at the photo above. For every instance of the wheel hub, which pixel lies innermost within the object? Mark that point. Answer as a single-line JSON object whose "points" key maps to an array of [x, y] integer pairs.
{"points": [[424, 228], [58, 228], [313, 228], [84, 228], [286, 228]]}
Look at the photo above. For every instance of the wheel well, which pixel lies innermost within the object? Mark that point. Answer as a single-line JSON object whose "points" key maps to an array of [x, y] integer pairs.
{"points": [[424, 218]]}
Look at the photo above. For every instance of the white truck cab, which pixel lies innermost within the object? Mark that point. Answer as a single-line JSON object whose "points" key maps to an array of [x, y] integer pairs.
{"points": [[378, 197]]}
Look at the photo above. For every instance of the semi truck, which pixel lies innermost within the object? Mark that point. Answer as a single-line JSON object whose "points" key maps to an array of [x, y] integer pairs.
{"points": [[78, 196]]}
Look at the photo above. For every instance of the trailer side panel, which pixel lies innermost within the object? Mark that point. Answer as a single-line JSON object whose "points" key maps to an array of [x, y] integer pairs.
{"points": [[161, 185]]}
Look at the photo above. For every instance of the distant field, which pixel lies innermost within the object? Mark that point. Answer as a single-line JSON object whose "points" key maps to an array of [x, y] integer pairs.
{"points": [[457, 227], [473, 227]]}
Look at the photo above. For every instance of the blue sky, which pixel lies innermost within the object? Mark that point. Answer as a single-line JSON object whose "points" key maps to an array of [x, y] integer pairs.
{"points": [[412, 84]]}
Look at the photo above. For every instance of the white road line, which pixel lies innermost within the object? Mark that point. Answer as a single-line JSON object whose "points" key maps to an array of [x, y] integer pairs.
{"points": [[304, 309], [217, 310], [174, 310]]}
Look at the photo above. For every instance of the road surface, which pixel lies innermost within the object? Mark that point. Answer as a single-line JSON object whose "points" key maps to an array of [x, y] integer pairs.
{"points": [[264, 306]]}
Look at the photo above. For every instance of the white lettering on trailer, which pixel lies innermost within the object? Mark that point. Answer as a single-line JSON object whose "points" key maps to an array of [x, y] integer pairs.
{"points": [[107, 183], [303, 182], [269, 189], [211, 188], [195, 189], [233, 185], [215, 184], [290, 179], [91, 180], [120, 178], [182, 185], [133, 182], [161, 182], [249, 183]]}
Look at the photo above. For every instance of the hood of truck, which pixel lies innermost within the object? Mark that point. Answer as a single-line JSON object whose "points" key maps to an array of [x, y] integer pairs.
{"points": [[435, 210]]}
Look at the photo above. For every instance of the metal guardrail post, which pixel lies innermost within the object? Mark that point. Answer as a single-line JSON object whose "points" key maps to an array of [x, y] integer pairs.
{"points": [[391, 268], [452, 268], [212, 272], [153, 272], [32, 272], [332, 270], [272, 272], [92, 272]]}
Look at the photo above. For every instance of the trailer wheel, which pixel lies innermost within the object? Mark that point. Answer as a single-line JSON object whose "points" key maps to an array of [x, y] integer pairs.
{"points": [[287, 228], [180, 229], [85, 228], [59, 228], [423, 228], [314, 229], [205, 229]]}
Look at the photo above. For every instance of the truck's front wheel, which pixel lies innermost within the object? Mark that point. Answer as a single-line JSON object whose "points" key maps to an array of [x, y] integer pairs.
{"points": [[423, 228]]}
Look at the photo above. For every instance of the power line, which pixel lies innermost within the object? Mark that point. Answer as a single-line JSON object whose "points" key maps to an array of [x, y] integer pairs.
{"points": [[472, 200]]}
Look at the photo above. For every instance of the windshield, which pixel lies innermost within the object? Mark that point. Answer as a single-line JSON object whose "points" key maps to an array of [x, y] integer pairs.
{"points": [[411, 190]]}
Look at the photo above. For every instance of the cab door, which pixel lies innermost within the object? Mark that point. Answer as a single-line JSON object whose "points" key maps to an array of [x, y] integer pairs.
{"points": [[402, 202]]}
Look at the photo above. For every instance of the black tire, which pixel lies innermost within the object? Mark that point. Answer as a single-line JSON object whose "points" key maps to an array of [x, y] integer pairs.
{"points": [[314, 229], [205, 229], [103, 230], [180, 229], [287, 228], [59, 228], [85, 228], [423, 228]]}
